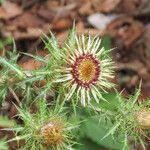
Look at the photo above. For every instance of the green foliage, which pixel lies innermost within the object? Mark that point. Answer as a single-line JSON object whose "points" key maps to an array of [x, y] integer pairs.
{"points": [[33, 123], [120, 112], [107, 120], [5, 41], [3, 145], [6, 122], [96, 130], [9, 74], [106, 42], [87, 144]]}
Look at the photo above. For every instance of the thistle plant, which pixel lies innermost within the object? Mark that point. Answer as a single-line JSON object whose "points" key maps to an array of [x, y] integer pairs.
{"points": [[10, 73], [78, 73], [130, 119], [82, 66], [46, 129], [14, 78]]}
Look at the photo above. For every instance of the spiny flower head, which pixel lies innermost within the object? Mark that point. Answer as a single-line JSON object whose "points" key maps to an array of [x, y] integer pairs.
{"points": [[84, 68], [45, 129], [143, 119], [52, 133]]}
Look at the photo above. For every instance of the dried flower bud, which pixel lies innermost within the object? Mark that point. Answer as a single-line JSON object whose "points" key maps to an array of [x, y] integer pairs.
{"points": [[143, 119], [52, 133]]}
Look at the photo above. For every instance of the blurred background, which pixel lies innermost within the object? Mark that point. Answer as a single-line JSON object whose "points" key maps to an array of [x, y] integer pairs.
{"points": [[123, 24]]}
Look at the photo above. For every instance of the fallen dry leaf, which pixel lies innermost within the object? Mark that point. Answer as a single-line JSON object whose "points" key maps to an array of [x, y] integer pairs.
{"points": [[9, 10], [127, 30], [86, 9], [62, 24], [142, 49], [32, 64], [128, 6], [28, 19], [28, 33], [63, 35], [46, 14], [105, 6]]}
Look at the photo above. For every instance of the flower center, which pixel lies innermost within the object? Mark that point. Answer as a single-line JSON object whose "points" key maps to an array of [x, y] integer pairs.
{"points": [[52, 133], [86, 70]]}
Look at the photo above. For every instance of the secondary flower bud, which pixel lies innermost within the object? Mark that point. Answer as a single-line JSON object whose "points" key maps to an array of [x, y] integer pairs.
{"points": [[143, 119], [52, 133]]}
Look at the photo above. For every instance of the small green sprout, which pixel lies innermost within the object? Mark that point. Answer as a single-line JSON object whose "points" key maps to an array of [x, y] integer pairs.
{"points": [[10, 74]]}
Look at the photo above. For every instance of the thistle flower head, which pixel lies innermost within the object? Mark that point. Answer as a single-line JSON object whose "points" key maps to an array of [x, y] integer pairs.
{"points": [[46, 129], [85, 69], [52, 133]]}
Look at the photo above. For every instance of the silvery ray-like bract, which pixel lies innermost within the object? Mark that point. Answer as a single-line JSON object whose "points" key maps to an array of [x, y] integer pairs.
{"points": [[86, 68]]}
